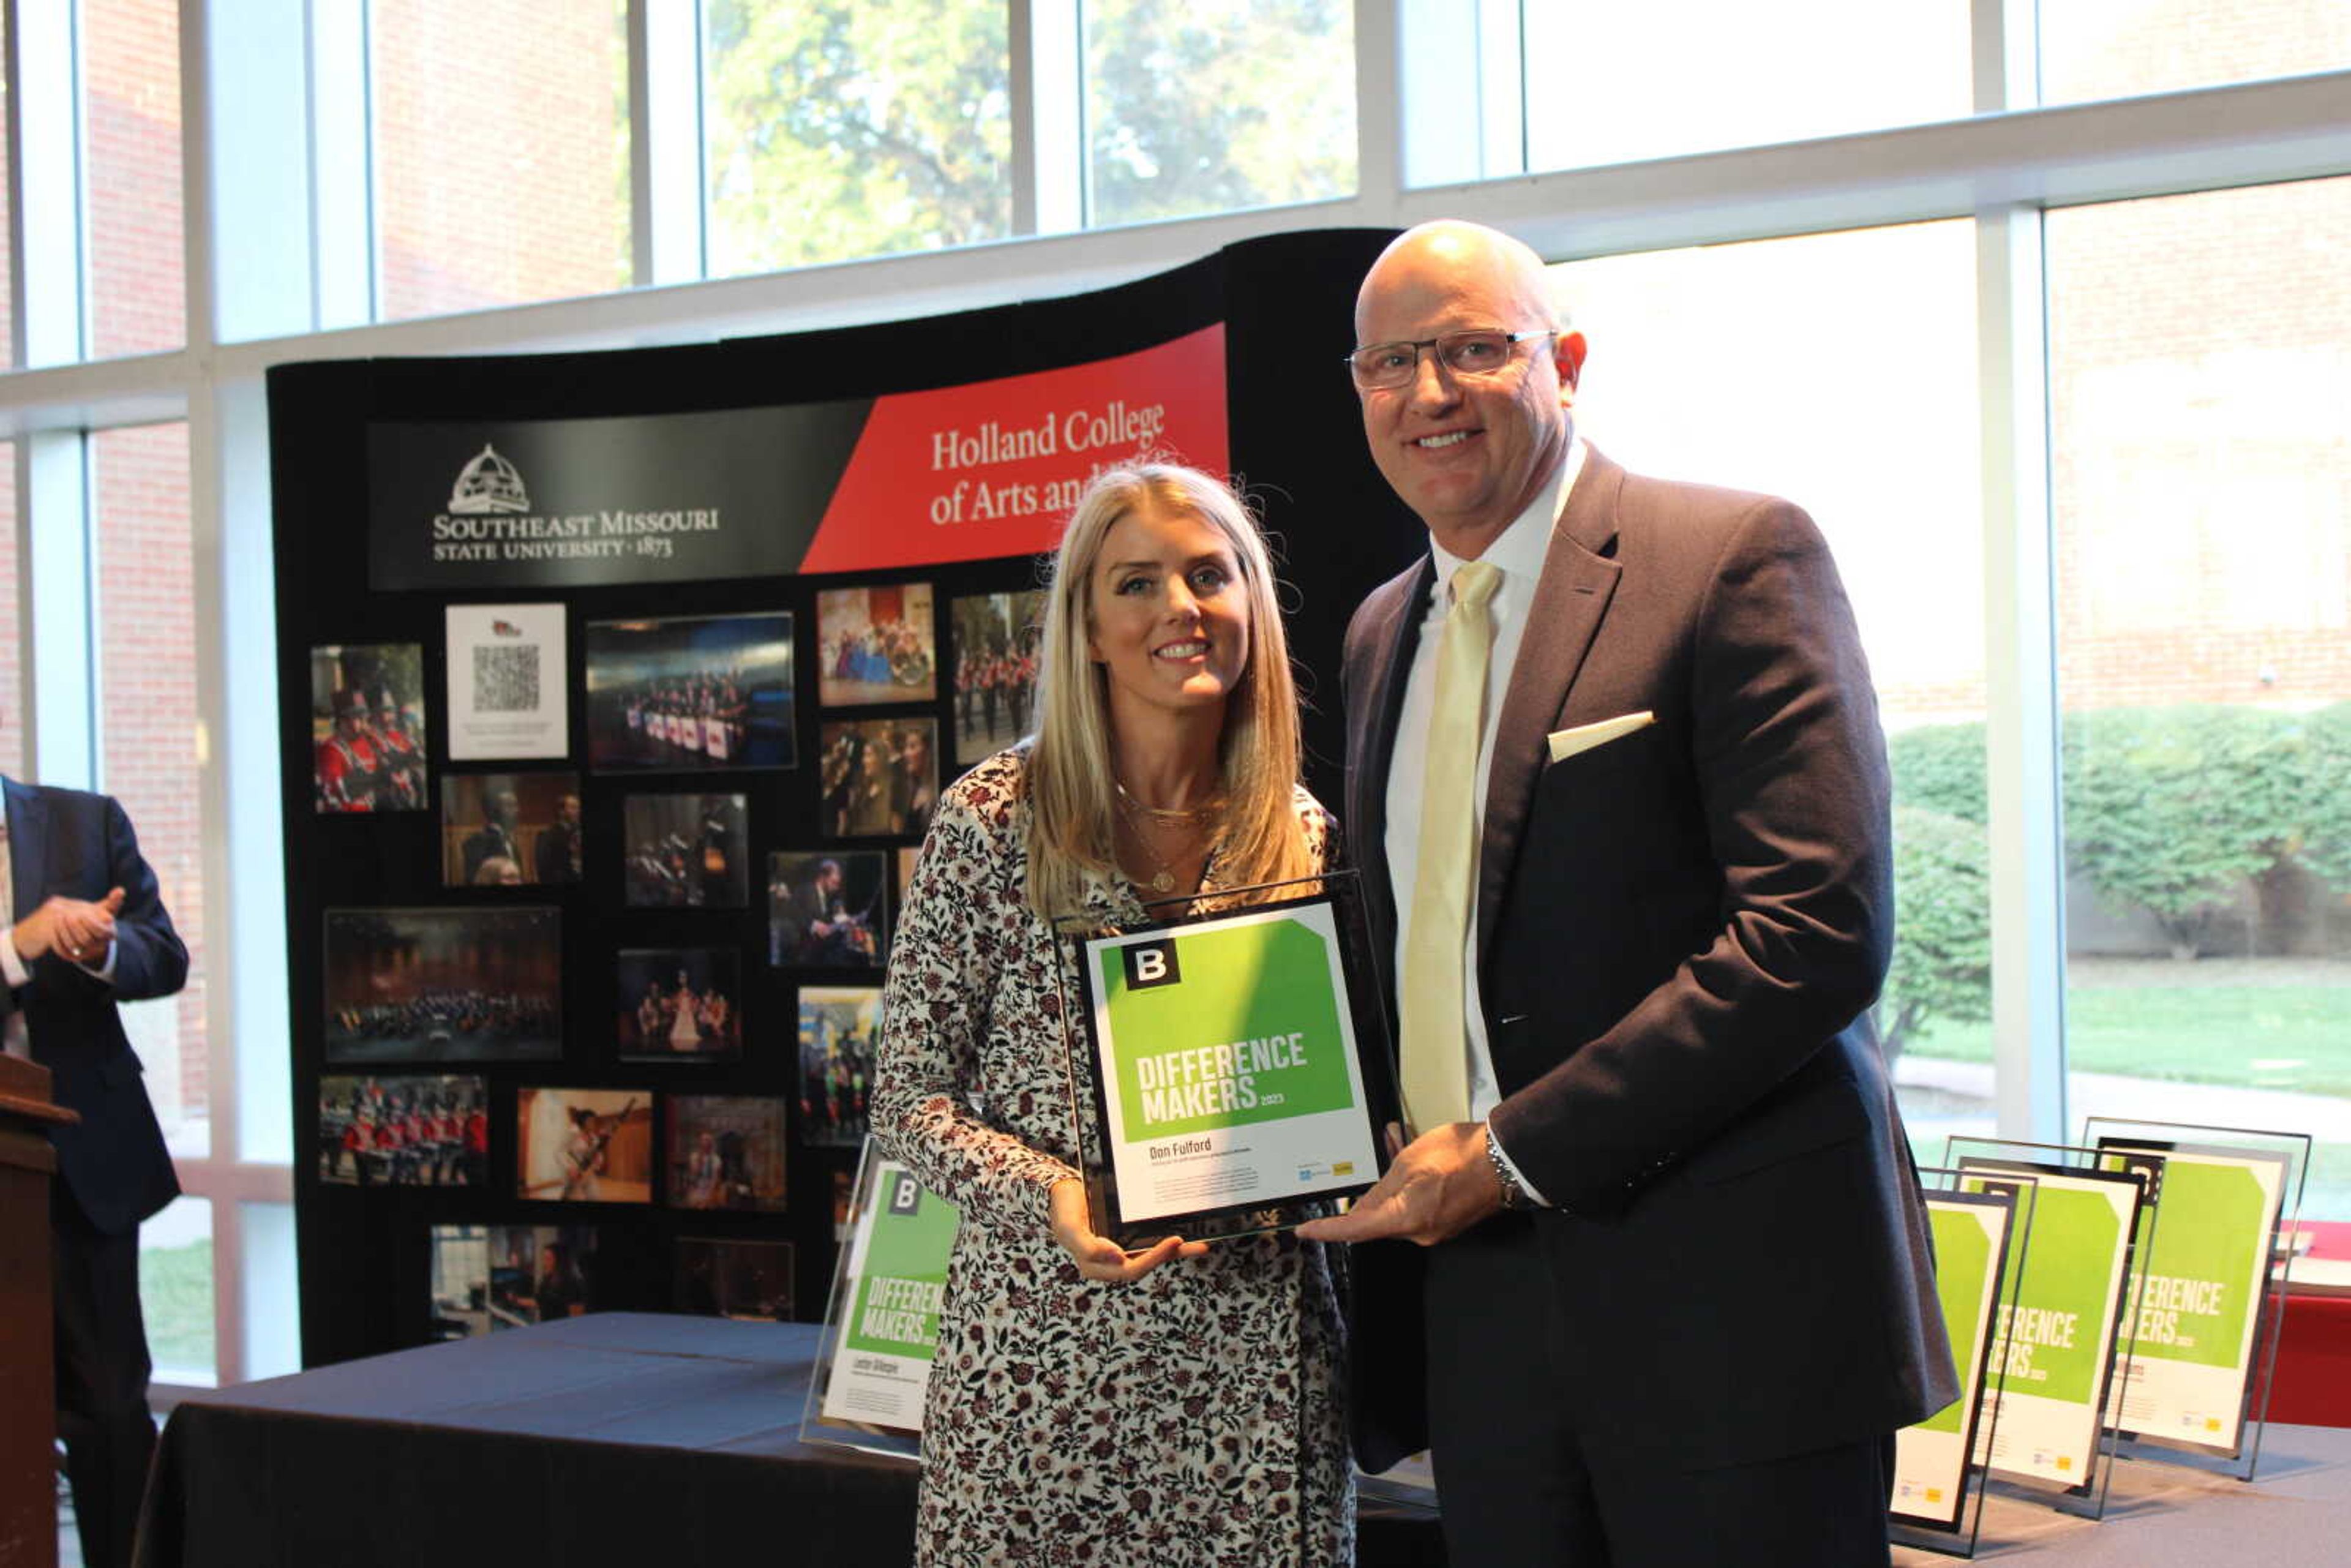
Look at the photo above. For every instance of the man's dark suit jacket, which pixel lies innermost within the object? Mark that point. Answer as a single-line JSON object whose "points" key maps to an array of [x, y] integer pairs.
{"points": [[68, 842], [1678, 932]]}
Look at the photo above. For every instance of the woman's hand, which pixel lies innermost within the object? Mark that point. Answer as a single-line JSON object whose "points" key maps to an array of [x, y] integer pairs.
{"points": [[1098, 1257]]}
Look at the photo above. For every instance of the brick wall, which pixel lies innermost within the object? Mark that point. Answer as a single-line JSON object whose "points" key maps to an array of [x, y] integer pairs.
{"points": [[130, 75], [502, 170], [2092, 51], [147, 637]]}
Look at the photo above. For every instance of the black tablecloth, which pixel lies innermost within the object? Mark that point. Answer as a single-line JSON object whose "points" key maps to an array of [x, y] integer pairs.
{"points": [[632, 1440]]}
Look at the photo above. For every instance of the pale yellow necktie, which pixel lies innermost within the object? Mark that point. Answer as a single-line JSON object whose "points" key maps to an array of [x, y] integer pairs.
{"points": [[1434, 1050]]}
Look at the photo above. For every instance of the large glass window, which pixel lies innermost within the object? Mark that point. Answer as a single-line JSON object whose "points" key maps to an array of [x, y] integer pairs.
{"points": [[136, 262], [501, 151], [2200, 416], [2117, 48], [150, 737], [7, 224], [837, 130], [1216, 106], [12, 625], [1839, 370], [176, 1292], [1609, 84]]}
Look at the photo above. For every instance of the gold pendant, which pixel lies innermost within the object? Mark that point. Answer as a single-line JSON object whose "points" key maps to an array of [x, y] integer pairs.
{"points": [[1161, 882]]}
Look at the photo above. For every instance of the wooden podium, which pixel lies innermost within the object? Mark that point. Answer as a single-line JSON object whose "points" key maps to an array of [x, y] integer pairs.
{"points": [[28, 1474]]}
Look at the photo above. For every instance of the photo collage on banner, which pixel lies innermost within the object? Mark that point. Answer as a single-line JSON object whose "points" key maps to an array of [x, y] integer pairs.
{"points": [[620, 991]]}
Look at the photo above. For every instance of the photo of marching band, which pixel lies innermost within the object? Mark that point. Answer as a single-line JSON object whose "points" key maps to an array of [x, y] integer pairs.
{"points": [[698, 693], [827, 911], [585, 1145], [679, 1004], [403, 1132], [685, 852], [443, 985], [880, 777], [726, 1151], [994, 638], [875, 644], [367, 728], [506, 829], [841, 1026]]}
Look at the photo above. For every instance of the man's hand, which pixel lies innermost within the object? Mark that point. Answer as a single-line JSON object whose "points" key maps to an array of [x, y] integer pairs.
{"points": [[1098, 1257], [76, 928], [1437, 1186]]}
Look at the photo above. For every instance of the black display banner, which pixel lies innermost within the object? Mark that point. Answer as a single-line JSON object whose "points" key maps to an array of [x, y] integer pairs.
{"points": [[671, 498]]}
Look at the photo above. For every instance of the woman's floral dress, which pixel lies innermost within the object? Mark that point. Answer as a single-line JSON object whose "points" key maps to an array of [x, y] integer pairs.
{"points": [[1190, 1416]]}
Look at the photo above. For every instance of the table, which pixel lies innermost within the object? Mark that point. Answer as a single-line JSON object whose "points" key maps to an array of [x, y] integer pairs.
{"points": [[621, 1438]]}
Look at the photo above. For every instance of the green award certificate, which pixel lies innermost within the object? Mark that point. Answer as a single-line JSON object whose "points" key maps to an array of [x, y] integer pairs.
{"points": [[1930, 1458], [1226, 1064], [2052, 1350], [2198, 1287], [883, 1323]]}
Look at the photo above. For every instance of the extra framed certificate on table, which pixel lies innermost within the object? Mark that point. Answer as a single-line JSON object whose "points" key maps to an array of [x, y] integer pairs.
{"points": [[1224, 1045]]}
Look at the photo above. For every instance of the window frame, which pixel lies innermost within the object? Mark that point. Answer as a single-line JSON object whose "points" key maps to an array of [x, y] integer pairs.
{"points": [[302, 300]]}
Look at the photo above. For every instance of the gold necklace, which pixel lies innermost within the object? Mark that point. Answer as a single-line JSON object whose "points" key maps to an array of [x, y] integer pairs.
{"points": [[1171, 816], [1164, 879]]}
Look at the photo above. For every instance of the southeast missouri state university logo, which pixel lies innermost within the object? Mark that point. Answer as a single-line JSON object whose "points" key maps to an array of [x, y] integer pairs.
{"points": [[489, 484]]}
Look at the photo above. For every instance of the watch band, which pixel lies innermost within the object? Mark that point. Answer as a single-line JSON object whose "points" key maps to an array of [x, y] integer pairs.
{"points": [[1513, 1195]]}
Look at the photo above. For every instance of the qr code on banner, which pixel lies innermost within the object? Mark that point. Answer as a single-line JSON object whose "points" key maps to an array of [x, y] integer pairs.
{"points": [[505, 678]]}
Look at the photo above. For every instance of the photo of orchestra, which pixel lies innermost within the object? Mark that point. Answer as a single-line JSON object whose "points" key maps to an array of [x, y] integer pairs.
{"points": [[749, 1281], [585, 1145], [827, 911], [510, 829], [880, 779], [692, 693], [875, 644], [443, 985], [461, 1281], [685, 852], [403, 1132], [994, 638], [542, 1272], [840, 1028], [367, 728], [726, 1151], [680, 1003]]}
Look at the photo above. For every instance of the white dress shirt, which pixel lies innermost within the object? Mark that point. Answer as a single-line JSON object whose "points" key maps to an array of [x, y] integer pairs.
{"points": [[1519, 551]]}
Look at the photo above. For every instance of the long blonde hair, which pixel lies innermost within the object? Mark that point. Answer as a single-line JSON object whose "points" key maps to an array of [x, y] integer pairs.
{"points": [[1071, 788]]}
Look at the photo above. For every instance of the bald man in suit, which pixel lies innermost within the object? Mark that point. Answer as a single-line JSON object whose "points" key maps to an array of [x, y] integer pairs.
{"points": [[86, 929], [1674, 1290]]}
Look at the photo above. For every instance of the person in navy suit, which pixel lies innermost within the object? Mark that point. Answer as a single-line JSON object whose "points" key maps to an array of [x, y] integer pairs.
{"points": [[86, 930]]}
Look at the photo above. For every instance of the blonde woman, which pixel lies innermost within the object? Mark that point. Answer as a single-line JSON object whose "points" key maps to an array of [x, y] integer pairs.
{"points": [[1179, 1406]]}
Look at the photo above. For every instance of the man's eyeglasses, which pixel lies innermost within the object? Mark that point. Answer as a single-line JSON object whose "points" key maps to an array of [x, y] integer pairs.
{"points": [[1379, 366]]}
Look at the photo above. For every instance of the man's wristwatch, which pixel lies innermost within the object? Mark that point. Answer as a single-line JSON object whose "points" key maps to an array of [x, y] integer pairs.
{"points": [[1513, 1195]]}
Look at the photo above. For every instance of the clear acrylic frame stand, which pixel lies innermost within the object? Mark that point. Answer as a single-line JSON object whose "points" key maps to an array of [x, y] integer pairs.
{"points": [[2241, 1462], [2087, 1498], [1976, 1429]]}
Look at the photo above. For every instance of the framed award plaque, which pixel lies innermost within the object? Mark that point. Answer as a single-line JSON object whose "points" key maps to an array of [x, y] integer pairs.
{"points": [[1230, 1059]]}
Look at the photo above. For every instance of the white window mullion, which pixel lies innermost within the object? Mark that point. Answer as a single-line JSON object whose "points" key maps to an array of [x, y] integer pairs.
{"points": [[342, 175], [2020, 727], [60, 730], [1048, 85], [1460, 73], [668, 183], [44, 106]]}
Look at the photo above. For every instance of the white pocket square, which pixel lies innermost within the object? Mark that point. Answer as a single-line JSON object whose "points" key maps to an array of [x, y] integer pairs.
{"points": [[1566, 743]]}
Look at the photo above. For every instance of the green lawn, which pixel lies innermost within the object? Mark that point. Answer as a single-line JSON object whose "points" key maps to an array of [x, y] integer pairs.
{"points": [[2236, 1034], [175, 1288]]}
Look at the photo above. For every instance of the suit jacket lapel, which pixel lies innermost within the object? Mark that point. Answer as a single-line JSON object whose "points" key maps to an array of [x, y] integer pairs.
{"points": [[1389, 640], [1578, 580]]}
